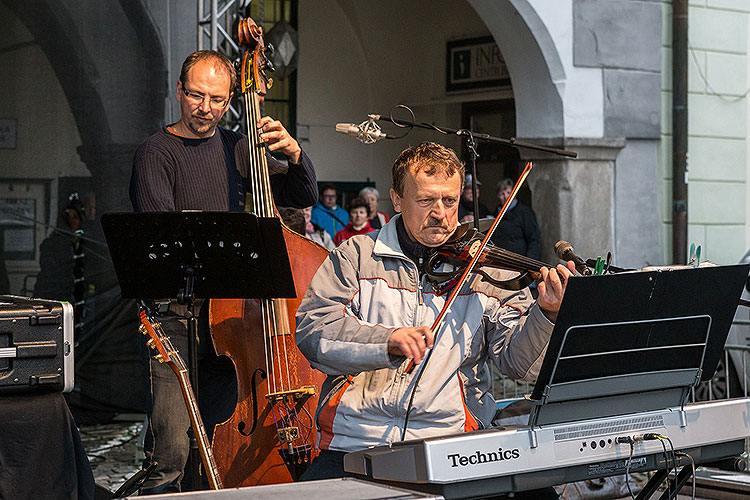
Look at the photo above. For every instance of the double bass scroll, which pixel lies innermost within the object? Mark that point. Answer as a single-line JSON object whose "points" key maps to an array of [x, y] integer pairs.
{"points": [[270, 437]]}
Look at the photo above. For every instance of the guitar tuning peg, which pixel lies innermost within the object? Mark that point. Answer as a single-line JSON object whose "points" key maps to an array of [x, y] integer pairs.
{"points": [[159, 358], [150, 343], [142, 329], [270, 49]]}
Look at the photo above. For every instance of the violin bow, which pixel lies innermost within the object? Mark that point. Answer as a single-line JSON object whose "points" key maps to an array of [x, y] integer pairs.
{"points": [[476, 252]]}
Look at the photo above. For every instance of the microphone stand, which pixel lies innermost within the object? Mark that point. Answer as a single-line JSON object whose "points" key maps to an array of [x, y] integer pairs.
{"points": [[471, 144]]}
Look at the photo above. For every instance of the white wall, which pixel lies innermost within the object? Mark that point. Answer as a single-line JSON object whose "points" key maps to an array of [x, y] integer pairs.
{"points": [[580, 88], [717, 128], [362, 59]]}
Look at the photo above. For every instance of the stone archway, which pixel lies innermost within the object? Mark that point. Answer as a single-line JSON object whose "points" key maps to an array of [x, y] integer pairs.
{"points": [[109, 129], [574, 199], [533, 63]]}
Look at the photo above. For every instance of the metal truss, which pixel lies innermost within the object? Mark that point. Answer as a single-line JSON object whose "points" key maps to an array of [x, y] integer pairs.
{"points": [[216, 19]]}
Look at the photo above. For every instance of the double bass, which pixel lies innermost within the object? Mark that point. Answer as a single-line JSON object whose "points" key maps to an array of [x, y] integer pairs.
{"points": [[270, 437]]}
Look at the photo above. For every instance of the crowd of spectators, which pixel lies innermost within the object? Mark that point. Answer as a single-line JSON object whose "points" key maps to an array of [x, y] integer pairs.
{"points": [[329, 224]]}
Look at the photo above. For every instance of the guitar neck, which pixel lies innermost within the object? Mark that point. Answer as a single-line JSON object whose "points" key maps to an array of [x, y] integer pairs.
{"points": [[209, 464]]}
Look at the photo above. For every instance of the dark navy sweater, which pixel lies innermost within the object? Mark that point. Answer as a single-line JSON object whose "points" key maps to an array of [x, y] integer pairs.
{"points": [[173, 173]]}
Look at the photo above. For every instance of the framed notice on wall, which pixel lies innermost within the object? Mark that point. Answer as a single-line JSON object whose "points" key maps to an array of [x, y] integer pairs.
{"points": [[17, 216], [23, 217], [475, 63]]}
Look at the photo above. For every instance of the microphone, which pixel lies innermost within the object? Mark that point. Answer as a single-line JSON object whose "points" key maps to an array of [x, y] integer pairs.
{"points": [[366, 132], [564, 251]]}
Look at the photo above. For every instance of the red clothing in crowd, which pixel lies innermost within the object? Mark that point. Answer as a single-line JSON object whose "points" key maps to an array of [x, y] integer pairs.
{"points": [[349, 231]]}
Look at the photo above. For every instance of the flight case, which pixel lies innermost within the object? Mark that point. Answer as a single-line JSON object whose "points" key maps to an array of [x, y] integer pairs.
{"points": [[36, 345]]}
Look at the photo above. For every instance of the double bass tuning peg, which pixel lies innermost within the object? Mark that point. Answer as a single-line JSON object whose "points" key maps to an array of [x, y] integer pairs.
{"points": [[269, 81], [269, 50], [269, 65]]}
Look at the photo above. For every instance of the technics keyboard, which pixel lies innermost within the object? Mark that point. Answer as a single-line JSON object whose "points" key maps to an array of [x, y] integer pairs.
{"points": [[502, 459]]}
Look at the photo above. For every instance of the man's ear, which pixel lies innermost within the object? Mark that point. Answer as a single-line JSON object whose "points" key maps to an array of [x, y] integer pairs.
{"points": [[178, 93], [396, 200]]}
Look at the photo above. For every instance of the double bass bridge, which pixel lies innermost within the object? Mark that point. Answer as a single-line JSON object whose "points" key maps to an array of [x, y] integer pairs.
{"points": [[292, 396]]}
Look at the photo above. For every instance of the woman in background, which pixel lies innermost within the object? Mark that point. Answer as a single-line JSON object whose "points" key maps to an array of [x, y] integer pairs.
{"points": [[377, 218]]}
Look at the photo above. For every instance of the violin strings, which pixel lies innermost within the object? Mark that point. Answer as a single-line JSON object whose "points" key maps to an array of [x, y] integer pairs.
{"points": [[509, 258]]}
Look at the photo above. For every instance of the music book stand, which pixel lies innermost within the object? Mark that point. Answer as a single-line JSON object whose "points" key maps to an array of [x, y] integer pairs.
{"points": [[193, 254], [635, 342]]}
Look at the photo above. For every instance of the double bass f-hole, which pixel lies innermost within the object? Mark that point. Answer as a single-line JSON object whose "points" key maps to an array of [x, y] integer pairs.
{"points": [[258, 373]]}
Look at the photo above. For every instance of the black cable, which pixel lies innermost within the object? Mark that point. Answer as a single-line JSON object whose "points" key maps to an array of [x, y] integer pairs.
{"points": [[669, 467], [410, 126], [627, 468], [674, 459], [692, 466], [50, 226]]}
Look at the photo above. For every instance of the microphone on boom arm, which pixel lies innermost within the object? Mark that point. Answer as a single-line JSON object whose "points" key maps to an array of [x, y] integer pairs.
{"points": [[366, 132]]}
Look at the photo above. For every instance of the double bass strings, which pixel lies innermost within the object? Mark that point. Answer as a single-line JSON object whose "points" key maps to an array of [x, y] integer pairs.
{"points": [[275, 322]]}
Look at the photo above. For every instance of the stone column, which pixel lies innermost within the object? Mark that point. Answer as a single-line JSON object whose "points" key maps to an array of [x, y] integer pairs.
{"points": [[574, 198]]}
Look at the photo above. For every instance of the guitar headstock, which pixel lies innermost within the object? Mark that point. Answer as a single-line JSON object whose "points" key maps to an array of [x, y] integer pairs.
{"points": [[255, 62], [166, 352]]}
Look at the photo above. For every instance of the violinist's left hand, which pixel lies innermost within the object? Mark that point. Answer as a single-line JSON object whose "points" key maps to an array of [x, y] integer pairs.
{"points": [[552, 288], [278, 139]]}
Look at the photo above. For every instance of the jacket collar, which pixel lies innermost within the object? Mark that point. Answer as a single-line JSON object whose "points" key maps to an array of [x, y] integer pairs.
{"points": [[386, 244]]}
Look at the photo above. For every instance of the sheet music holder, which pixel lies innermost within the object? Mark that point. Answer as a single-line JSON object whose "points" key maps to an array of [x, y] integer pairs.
{"points": [[235, 254], [635, 342], [193, 254]]}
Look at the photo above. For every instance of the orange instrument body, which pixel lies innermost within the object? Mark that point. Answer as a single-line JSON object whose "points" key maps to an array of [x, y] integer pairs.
{"points": [[270, 437]]}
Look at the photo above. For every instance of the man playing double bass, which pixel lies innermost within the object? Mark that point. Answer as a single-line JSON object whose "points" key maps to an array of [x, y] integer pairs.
{"points": [[196, 165], [363, 320]]}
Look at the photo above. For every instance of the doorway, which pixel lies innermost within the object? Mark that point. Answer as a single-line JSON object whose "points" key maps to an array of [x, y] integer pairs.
{"points": [[496, 161]]}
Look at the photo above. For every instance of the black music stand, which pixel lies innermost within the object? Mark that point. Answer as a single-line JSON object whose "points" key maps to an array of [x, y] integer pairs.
{"points": [[192, 254], [635, 342], [653, 335]]}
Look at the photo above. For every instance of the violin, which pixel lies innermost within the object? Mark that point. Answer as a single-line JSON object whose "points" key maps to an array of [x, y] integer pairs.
{"points": [[462, 247]]}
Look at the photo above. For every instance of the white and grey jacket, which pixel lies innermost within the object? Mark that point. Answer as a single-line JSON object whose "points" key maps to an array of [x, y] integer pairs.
{"points": [[362, 292]]}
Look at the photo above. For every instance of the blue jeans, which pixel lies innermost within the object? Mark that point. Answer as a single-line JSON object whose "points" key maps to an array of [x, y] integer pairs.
{"points": [[167, 441]]}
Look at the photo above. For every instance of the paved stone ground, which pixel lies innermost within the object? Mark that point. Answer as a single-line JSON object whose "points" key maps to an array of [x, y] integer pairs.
{"points": [[113, 452]]}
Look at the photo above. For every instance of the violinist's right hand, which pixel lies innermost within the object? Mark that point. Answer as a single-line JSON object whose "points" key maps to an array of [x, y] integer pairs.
{"points": [[411, 341]]}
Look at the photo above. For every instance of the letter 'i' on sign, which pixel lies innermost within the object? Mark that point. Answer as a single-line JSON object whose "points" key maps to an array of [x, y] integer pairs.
{"points": [[461, 64]]}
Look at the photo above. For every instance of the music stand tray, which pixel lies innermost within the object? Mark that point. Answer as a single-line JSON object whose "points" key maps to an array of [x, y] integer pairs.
{"points": [[635, 342], [232, 254]]}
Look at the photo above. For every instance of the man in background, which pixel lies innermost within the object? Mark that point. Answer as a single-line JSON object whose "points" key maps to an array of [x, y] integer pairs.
{"points": [[519, 230], [466, 206], [327, 213]]}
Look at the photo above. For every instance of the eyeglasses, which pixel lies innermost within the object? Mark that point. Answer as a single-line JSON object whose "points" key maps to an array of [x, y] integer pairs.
{"points": [[198, 98]]}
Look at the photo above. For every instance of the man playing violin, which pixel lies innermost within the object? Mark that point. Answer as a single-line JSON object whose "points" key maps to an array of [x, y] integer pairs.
{"points": [[196, 165], [362, 322]]}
